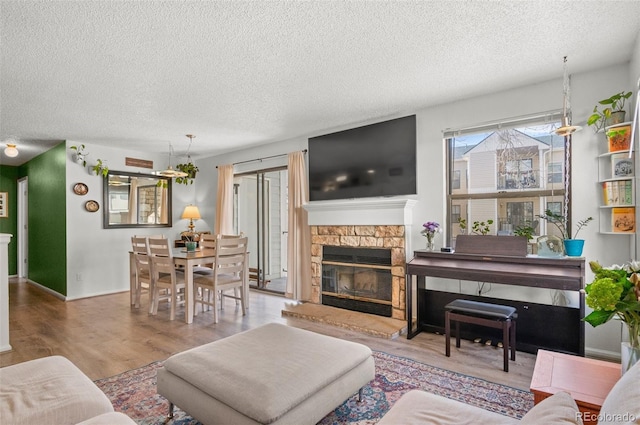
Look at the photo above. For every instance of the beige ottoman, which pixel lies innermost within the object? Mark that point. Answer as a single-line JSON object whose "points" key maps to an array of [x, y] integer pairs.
{"points": [[50, 390], [274, 374]]}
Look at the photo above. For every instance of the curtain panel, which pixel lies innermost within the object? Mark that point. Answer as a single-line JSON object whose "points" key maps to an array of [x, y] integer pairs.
{"points": [[299, 242], [224, 201]]}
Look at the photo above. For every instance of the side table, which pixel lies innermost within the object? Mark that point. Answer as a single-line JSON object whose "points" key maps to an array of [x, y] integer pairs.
{"points": [[587, 380]]}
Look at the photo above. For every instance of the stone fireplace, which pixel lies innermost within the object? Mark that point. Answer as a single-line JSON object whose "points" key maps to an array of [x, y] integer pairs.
{"points": [[377, 231]]}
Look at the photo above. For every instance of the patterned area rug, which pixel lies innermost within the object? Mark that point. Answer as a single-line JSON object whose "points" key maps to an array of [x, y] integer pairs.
{"points": [[134, 393]]}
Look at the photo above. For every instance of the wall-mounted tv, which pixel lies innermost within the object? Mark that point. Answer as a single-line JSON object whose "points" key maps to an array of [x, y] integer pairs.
{"points": [[374, 160]]}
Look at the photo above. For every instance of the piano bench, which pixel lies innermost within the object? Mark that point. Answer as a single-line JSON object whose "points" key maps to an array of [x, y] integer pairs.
{"points": [[483, 314]]}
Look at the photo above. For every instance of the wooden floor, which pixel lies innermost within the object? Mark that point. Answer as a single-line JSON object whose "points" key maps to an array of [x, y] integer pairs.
{"points": [[103, 336]]}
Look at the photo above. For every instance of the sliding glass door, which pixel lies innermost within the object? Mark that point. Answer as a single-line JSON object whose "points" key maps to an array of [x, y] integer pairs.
{"points": [[260, 212]]}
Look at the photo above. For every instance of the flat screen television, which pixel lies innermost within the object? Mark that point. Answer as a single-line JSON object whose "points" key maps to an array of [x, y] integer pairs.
{"points": [[369, 161]]}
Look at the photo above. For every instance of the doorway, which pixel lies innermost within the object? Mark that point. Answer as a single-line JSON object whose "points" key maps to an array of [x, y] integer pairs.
{"points": [[260, 212]]}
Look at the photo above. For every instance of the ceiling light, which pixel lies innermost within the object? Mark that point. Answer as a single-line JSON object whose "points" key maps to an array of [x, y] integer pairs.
{"points": [[11, 151], [566, 128], [170, 172]]}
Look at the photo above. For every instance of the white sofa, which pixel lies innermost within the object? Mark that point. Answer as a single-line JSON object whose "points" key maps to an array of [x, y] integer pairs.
{"points": [[622, 406], [52, 390]]}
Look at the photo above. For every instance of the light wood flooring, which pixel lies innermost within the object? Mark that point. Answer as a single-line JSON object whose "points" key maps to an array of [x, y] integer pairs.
{"points": [[103, 336]]}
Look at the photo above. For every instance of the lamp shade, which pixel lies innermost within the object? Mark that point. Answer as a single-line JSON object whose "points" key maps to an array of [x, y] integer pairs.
{"points": [[191, 212], [11, 151]]}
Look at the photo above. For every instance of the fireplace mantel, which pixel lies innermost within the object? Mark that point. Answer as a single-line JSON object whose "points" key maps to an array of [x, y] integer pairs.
{"points": [[362, 212]]}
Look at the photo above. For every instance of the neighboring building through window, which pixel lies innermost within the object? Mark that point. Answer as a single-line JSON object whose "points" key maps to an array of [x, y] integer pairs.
{"points": [[504, 176]]}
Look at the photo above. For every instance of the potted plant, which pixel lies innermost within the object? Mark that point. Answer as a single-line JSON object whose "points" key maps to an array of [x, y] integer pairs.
{"points": [[479, 227], [100, 168], [615, 292], [572, 246], [610, 115], [619, 137], [191, 170], [80, 154], [479, 241]]}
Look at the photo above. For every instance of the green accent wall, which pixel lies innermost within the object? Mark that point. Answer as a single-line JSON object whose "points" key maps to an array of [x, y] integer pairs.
{"points": [[8, 183], [47, 218]]}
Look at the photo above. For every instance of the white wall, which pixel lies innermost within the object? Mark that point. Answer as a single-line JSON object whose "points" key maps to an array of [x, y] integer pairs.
{"points": [[97, 258]]}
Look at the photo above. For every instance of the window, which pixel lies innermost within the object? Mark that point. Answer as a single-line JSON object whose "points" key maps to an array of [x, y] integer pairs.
{"points": [[503, 167], [455, 213], [554, 172], [455, 183]]}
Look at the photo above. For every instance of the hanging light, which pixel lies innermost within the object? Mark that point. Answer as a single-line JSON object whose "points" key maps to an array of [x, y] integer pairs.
{"points": [[11, 151], [170, 172], [566, 128]]}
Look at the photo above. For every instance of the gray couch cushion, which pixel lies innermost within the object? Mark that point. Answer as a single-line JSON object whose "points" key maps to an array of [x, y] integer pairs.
{"points": [[422, 408], [252, 371], [558, 409], [622, 405], [50, 390]]}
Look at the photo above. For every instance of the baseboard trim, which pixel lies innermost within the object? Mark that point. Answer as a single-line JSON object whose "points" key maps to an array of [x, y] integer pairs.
{"points": [[49, 290], [602, 354]]}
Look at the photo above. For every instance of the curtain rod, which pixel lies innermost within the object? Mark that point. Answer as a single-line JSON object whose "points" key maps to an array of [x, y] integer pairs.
{"points": [[262, 159]]}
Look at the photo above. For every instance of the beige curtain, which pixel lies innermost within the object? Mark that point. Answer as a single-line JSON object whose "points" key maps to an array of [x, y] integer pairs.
{"points": [[299, 243], [224, 200]]}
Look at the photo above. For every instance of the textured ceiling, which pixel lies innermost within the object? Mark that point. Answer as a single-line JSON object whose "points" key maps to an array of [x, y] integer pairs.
{"points": [[143, 74]]}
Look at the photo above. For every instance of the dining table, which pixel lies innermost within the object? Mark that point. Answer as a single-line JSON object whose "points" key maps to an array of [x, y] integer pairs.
{"points": [[187, 260]]}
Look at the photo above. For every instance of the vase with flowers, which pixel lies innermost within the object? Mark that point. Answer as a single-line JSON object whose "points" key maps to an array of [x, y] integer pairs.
{"points": [[430, 229], [615, 292]]}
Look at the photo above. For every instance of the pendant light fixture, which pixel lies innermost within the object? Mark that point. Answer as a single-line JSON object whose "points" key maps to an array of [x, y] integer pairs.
{"points": [[170, 172], [566, 128]]}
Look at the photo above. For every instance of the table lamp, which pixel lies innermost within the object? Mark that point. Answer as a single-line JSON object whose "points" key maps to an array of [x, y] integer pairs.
{"points": [[191, 213]]}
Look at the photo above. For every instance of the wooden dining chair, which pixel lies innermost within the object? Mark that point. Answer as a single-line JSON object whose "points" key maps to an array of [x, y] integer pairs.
{"points": [[208, 241], [229, 272], [164, 276], [142, 269]]}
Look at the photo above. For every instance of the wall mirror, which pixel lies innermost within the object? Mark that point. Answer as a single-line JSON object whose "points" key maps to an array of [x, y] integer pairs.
{"points": [[136, 200]]}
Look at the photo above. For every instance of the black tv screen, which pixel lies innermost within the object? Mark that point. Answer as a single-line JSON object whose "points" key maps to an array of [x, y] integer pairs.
{"points": [[374, 160]]}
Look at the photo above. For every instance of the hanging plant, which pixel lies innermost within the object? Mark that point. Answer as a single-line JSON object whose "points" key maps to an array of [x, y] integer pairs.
{"points": [[80, 155], [100, 168], [191, 170]]}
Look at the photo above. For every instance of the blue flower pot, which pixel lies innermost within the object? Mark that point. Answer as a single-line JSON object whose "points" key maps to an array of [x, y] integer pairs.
{"points": [[573, 247]]}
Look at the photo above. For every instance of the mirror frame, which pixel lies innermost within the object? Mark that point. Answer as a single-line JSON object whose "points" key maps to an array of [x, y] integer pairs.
{"points": [[106, 203]]}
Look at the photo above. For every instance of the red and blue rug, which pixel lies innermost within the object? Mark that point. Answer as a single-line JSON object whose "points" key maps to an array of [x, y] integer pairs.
{"points": [[134, 393]]}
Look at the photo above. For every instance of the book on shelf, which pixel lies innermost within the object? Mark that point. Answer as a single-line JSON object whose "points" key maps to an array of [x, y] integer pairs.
{"points": [[606, 193], [628, 195], [615, 189], [621, 165], [617, 192], [623, 219]]}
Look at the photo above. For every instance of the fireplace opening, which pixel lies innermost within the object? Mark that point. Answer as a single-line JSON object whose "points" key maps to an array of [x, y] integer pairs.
{"points": [[357, 279]]}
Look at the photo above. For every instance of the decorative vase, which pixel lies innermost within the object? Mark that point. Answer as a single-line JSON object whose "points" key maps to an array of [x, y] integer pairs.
{"points": [[550, 246], [573, 247], [629, 356], [191, 246], [430, 246]]}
